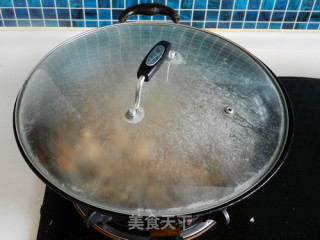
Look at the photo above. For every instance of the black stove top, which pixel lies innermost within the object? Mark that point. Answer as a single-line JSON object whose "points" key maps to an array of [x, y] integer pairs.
{"points": [[287, 207]]}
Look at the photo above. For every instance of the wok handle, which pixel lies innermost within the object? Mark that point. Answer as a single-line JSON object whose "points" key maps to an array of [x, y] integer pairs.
{"points": [[153, 60], [149, 9]]}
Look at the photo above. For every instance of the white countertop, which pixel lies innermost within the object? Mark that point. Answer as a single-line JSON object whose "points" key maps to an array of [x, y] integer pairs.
{"points": [[21, 192]]}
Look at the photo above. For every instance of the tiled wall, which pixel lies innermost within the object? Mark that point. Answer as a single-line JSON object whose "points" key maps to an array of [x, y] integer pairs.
{"points": [[235, 14]]}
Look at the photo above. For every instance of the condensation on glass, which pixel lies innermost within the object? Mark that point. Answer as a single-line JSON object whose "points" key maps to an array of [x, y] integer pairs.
{"points": [[188, 154]]}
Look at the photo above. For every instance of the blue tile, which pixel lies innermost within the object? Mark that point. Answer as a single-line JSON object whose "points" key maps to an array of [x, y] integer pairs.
{"points": [[223, 24], [5, 3], [157, 17], [117, 4], [144, 18], [317, 6], [116, 14], [1, 23], [307, 5], [277, 16], [19, 3], [51, 23], [264, 16], [198, 15], [267, 4], [249, 25], [35, 13], [34, 3], [236, 25], [290, 16], [24, 23], [22, 13], [37, 23], [10, 23], [240, 4], [287, 25], [63, 13], [49, 13], [63, 23], [187, 23], [211, 25], [7, 13], [90, 3], [104, 14], [129, 3], [200, 4], [227, 4], [252, 16], [76, 13], [254, 4], [163, 2], [281, 4], [62, 3], [92, 23], [238, 15], [78, 23], [315, 17], [186, 4], [294, 4], [303, 17], [75, 3], [173, 4], [212, 15], [197, 24], [48, 3], [300, 26], [104, 23], [313, 26], [213, 4], [90, 13], [275, 26], [295, 18], [262, 25], [185, 15], [225, 16]]}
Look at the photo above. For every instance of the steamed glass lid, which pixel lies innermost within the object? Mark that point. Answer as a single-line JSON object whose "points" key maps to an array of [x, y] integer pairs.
{"points": [[214, 120]]}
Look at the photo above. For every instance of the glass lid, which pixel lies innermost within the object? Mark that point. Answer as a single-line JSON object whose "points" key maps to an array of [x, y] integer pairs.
{"points": [[214, 120]]}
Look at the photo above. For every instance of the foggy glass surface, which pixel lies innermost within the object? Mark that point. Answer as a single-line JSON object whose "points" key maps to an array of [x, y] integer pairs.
{"points": [[186, 155]]}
